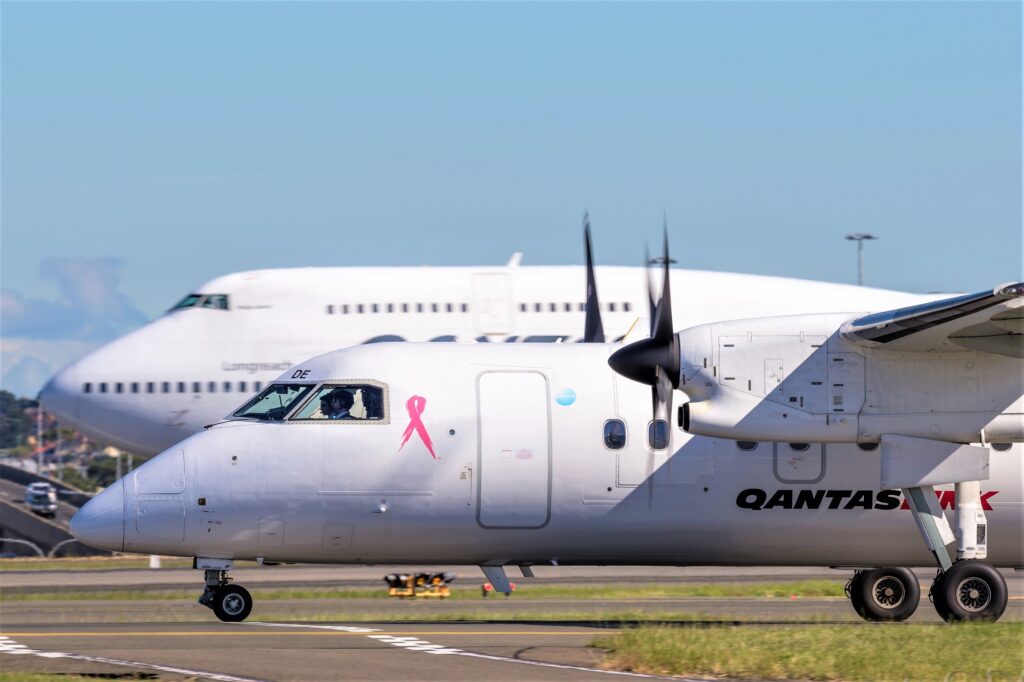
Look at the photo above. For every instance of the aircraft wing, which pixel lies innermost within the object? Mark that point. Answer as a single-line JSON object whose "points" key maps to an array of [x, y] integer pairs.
{"points": [[988, 321]]}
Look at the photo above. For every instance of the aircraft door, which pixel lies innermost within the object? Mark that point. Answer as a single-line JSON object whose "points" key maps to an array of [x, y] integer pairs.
{"points": [[491, 303], [798, 462], [514, 467]]}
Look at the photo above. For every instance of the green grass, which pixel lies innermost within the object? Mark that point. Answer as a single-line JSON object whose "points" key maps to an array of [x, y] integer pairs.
{"points": [[611, 617], [101, 563], [804, 588], [986, 651], [44, 677]]}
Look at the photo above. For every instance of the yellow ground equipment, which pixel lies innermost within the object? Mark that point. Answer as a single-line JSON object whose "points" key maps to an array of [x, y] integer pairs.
{"points": [[414, 585]]}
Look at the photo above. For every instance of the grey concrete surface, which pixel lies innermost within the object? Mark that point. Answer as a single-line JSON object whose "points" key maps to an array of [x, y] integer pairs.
{"points": [[375, 639]]}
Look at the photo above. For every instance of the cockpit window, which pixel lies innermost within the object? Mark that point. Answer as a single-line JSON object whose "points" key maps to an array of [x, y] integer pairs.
{"points": [[188, 301], [357, 402], [273, 402], [218, 301], [215, 301]]}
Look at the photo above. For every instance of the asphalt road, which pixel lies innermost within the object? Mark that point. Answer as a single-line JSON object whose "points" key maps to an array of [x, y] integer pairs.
{"points": [[178, 639], [15, 494]]}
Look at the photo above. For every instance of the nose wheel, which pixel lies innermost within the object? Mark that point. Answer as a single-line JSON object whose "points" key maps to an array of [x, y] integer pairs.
{"points": [[970, 590], [890, 593], [230, 603]]}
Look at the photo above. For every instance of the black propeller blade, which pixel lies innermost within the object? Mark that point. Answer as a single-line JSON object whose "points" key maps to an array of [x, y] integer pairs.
{"points": [[655, 361], [593, 329]]}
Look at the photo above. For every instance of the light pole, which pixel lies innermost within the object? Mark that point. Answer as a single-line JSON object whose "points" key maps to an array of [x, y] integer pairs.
{"points": [[859, 237]]}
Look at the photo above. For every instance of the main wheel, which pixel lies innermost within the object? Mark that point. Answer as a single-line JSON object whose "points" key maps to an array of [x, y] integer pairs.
{"points": [[970, 590], [890, 593], [232, 603]]}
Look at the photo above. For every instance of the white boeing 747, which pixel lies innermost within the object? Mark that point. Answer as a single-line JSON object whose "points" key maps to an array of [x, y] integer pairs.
{"points": [[151, 388]]}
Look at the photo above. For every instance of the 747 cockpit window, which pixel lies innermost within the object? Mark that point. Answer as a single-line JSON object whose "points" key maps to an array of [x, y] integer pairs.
{"points": [[215, 301], [273, 402], [355, 402]]}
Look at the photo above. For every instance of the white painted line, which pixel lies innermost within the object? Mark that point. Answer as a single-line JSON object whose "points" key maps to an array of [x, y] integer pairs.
{"points": [[9, 646], [416, 644]]}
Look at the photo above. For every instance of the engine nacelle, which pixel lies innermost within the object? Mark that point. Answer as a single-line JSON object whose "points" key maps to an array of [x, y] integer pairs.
{"points": [[796, 379]]}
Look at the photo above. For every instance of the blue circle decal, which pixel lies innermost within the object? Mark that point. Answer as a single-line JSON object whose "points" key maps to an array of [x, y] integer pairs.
{"points": [[566, 397]]}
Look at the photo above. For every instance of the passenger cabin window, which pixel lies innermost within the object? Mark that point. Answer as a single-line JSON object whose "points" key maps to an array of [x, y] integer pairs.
{"points": [[746, 445], [614, 434], [273, 403], [87, 387], [344, 402], [657, 434]]}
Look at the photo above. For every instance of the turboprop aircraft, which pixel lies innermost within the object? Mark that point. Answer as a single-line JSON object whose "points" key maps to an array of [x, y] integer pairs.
{"points": [[518, 455], [216, 347]]}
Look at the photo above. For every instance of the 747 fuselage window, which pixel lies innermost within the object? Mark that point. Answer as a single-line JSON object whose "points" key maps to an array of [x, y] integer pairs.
{"points": [[274, 402], [344, 402]]}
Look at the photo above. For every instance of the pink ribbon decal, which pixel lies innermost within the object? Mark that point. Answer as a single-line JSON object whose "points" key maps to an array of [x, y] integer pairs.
{"points": [[415, 406]]}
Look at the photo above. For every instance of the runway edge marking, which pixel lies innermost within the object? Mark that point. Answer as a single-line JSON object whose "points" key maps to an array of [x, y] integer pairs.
{"points": [[9, 646], [423, 646]]}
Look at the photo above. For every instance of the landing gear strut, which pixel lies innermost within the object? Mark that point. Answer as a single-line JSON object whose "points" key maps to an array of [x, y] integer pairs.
{"points": [[966, 589], [231, 603], [884, 594]]}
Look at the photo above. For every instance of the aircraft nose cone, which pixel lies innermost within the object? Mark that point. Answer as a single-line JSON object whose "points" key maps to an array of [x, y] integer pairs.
{"points": [[100, 523], [58, 395]]}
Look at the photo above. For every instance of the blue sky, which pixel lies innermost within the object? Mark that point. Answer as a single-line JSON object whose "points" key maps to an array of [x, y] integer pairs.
{"points": [[148, 147]]}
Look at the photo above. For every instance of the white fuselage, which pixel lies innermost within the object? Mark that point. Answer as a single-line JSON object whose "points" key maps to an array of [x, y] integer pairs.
{"points": [[522, 474], [190, 367]]}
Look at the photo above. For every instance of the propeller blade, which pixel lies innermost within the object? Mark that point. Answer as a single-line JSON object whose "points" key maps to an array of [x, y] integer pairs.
{"points": [[663, 318], [655, 360], [593, 329], [652, 307]]}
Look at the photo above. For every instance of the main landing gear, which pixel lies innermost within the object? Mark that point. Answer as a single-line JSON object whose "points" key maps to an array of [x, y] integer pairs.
{"points": [[969, 590], [884, 594], [231, 603]]}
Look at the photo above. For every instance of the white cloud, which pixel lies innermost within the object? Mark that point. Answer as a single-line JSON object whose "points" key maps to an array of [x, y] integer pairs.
{"points": [[38, 336]]}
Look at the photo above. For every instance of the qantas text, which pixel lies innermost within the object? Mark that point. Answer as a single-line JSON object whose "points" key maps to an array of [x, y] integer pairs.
{"points": [[757, 499]]}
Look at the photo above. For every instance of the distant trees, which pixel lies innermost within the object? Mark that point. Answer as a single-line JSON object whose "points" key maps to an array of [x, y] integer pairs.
{"points": [[15, 424]]}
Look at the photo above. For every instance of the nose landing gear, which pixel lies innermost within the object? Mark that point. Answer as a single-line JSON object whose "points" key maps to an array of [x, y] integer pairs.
{"points": [[884, 594], [230, 603]]}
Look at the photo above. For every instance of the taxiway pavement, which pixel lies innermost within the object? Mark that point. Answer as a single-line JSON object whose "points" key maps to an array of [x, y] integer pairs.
{"points": [[372, 639]]}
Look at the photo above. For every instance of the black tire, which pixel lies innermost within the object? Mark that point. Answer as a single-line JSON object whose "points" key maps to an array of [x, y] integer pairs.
{"points": [[938, 598], [232, 603], [890, 593], [970, 590]]}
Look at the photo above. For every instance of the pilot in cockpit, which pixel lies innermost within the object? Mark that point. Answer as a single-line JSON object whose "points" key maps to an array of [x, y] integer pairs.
{"points": [[336, 404]]}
